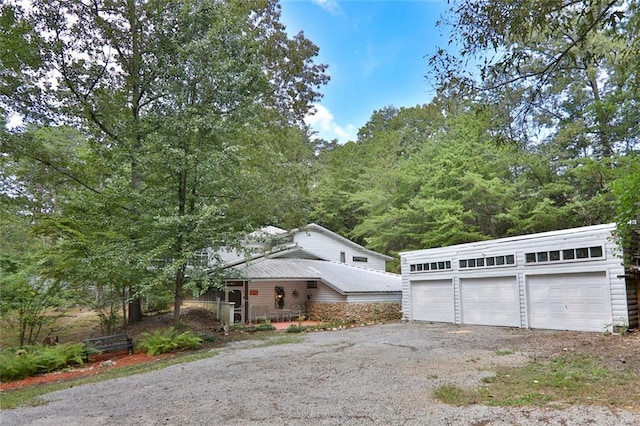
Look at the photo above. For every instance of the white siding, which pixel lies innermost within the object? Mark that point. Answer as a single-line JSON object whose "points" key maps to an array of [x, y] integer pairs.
{"points": [[432, 300], [325, 294], [608, 268], [373, 297], [329, 248]]}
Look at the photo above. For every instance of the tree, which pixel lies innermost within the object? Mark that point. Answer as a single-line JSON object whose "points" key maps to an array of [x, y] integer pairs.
{"points": [[168, 91], [565, 75]]}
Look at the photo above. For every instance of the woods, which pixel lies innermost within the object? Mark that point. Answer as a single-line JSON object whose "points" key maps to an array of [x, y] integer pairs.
{"points": [[153, 130]]}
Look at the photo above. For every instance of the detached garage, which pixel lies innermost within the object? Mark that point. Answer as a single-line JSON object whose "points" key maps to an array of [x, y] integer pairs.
{"points": [[571, 279]]}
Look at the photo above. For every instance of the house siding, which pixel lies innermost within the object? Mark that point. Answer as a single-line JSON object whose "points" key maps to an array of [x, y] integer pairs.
{"points": [[328, 248], [623, 312]]}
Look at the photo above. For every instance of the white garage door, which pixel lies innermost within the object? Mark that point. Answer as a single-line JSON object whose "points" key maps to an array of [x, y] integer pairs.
{"points": [[490, 301], [579, 302], [432, 301]]}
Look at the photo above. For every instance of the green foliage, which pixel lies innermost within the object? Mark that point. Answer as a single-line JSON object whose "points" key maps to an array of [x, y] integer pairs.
{"points": [[16, 364], [262, 327], [296, 329], [169, 340]]}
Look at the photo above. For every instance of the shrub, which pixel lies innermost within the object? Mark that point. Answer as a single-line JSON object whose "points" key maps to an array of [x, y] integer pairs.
{"points": [[261, 327], [31, 360], [169, 340], [296, 328]]}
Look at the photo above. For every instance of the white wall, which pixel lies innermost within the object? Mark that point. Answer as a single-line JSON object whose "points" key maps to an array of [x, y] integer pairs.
{"points": [[600, 235], [328, 248]]}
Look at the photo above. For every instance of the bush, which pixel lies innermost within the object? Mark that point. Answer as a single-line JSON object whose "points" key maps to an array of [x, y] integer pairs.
{"points": [[169, 340], [261, 327], [296, 329], [16, 364]]}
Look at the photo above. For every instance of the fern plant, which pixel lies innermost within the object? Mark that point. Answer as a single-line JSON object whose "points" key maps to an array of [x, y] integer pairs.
{"points": [[169, 340]]}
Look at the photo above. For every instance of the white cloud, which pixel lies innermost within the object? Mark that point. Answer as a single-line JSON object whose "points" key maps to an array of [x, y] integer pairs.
{"points": [[330, 6], [325, 126]]}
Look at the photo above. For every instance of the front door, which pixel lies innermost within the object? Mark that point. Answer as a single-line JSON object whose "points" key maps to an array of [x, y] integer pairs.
{"points": [[236, 295]]}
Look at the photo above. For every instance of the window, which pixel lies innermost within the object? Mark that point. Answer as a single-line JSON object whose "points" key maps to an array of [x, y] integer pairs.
{"points": [[343, 257], [554, 255], [432, 266], [499, 260], [582, 253], [360, 259], [542, 256], [568, 254], [595, 251], [491, 261], [463, 263], [471, 263], [511, 260], [312, 284], [530, 257], [480, 261]]}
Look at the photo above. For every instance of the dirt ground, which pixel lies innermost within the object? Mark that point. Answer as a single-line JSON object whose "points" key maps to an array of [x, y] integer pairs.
{"points": [[617, 351], [377, 374]]}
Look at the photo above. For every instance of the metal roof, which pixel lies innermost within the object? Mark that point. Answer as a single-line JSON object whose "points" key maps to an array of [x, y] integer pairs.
{"points": [[342, 277]]}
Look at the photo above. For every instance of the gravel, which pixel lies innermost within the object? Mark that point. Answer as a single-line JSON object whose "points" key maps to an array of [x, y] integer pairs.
{"points": [[382, 374]]}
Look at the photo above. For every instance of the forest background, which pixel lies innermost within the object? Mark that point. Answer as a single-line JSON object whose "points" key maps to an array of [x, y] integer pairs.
{"points": [[154, 129]]}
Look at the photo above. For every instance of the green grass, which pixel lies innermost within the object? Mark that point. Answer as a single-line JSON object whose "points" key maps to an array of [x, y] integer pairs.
{"points": [[27, 396], [504, 352], [565, 380]]}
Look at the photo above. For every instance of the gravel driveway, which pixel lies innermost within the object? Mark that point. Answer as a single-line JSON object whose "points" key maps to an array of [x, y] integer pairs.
{"points": [[383, 374]]}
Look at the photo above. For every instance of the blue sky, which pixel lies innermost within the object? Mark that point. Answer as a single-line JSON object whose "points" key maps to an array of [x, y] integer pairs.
{"points": [[377, 52]]}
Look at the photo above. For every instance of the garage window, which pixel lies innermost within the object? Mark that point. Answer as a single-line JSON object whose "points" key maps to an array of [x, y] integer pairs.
{"points": [[441, 265], [582, 253], [482, 262]]}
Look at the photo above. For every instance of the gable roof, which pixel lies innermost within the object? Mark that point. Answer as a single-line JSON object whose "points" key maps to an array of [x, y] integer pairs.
{"points": [[331, 234], [341, 277]]}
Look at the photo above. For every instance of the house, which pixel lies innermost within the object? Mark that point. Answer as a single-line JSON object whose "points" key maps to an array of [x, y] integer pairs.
{"points": [[572, 279], [309, 271]]}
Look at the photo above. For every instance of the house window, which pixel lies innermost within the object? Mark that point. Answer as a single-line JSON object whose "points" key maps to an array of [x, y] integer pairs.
{"points": [[360, 259], [412, 268], [312, 284], [480, 261], [491, 261], [542, 256], [499, 260], [471, 263], [554, 255], [419, 267], [343, 257], [568, 254], [511, 259], [463, 263]]}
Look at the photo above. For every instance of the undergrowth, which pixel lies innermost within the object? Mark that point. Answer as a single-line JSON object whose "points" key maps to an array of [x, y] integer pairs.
{"points": [[169, 340], [20, 363]]}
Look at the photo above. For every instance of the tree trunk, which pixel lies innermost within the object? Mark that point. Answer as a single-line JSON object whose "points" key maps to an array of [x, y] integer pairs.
{"points": [[135, 310], [177, 300]]}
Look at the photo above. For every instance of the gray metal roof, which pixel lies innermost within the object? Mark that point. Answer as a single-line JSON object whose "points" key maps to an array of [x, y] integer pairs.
{"points": [[342, 277]]}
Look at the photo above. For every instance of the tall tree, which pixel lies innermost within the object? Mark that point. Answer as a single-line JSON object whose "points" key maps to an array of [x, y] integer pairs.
{"points": [[167, 89]]}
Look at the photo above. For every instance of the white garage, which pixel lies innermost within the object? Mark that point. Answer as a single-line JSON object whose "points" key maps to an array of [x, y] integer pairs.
{"points": [[432, 300], [580, 301], [490, 301], [571, 279]]}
